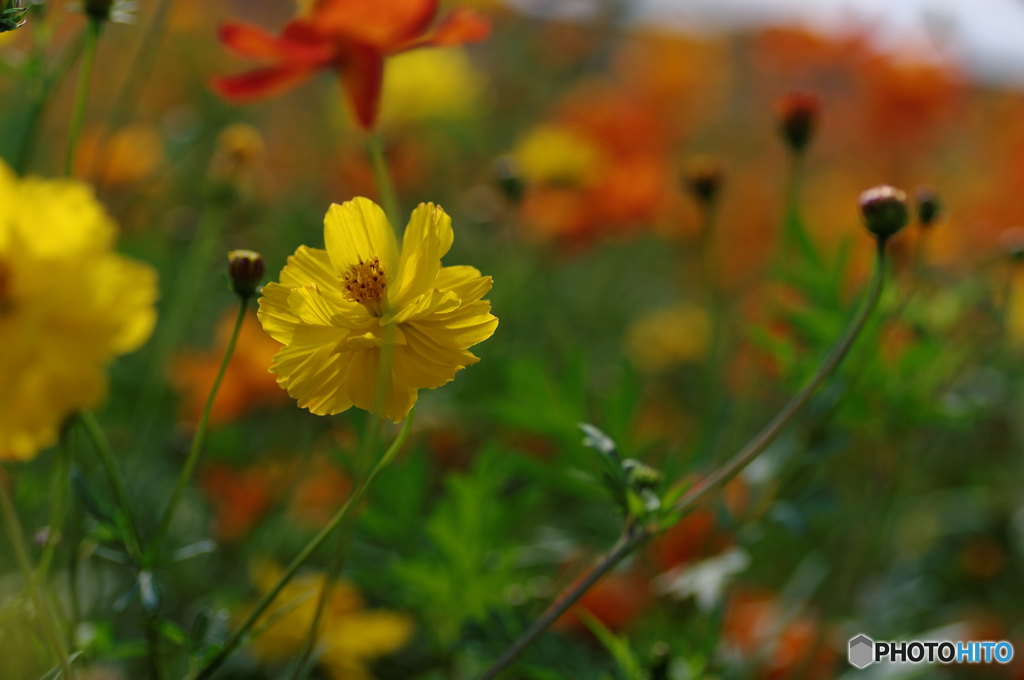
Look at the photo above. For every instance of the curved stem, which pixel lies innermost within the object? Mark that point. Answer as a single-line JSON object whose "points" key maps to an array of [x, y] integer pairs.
{"points": [[382, 176], [772, 430], [92, 38], [268, 598], [14, 533], [114, 476], [58, 508], [200, 435], [639, 535], [626, 544]]}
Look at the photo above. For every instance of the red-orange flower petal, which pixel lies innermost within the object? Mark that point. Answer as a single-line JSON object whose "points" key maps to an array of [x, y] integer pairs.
{"points": [[374, 23], [462, 26], [296, 43], [362, 76], [262, 83]]}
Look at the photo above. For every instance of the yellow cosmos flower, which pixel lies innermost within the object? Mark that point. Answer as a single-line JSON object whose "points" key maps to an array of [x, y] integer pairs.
{"points": [[455, 91], [337, 310], [665, 338], [558, 155], [350, 635], [68, 306]]}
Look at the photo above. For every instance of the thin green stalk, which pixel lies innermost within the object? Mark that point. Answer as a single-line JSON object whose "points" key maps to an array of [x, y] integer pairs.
{"points": [[353, 501], [58, 510], [115, 478], [187, 284], [382, 176], [42, 91], [200, 435], [139, 68], [92, 39], [14, 533], [636, 535]]}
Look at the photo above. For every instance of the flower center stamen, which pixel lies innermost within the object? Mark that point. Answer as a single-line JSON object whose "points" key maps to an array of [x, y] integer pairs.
{"points": [[364, 282]]}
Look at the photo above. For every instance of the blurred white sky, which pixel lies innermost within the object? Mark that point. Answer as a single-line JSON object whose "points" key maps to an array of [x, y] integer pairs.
{"points": [[985, 36]]}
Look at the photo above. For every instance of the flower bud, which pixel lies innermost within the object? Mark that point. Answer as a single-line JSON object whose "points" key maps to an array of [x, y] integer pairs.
{"points": [[640, 475], [12, 15], [928, 206], [798, 119], [1012, 241], [703, 179], [245, 267], [884, 210], [509, 177], [97, 9]]}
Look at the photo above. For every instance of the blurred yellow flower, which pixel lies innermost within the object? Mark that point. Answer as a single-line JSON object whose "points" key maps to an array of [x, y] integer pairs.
{"points": [[68, 306], [335, 310], [552, 154], [350, 635], [668, 337], [455, 86]]}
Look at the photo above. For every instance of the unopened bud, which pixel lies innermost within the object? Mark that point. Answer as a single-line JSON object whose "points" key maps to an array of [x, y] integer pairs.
{"points": [[884, 210], [1012, 241], [12, 15], [245, 267], [703, 179], [798, 119], [928, 206], [640, 475], [509, 177]]}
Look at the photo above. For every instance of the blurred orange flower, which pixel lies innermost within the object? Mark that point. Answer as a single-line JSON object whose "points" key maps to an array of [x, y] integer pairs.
{"points": [[239, 497], [615, 601], [247, 384], [793, 646], [353, 37]]}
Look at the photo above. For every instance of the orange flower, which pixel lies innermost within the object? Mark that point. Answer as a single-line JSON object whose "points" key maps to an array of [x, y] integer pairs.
{"points": [[350, 36], [615, 601], [239, 498], [754, 623], [247, 383]]}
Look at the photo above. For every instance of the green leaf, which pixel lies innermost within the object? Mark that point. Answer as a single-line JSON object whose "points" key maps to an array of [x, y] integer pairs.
{"points": [[172, 632]]}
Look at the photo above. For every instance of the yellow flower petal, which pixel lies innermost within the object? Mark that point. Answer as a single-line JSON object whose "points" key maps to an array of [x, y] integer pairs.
{"points": [[357, 231]]}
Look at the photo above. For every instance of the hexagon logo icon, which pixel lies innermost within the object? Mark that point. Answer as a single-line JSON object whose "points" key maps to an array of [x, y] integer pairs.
{"points": [[862, 651]]}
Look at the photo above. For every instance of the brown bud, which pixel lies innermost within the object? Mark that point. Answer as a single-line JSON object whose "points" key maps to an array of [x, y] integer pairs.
{"points": [[245, 267], [703, 179], [798, 119], [928, 206], [884, 210]]}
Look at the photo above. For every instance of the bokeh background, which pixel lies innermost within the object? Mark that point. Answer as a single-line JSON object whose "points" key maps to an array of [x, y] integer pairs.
{"points": [[561, 146]]}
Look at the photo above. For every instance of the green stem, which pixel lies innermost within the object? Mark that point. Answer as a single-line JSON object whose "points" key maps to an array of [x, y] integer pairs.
{"points": [[40, 99], [200, 435], [188, 283], [92, 38], [268, 598], [14, 533], [382, 176], [115, 478], [58, 510], [637, 535]]}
